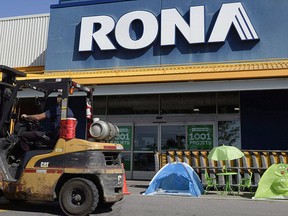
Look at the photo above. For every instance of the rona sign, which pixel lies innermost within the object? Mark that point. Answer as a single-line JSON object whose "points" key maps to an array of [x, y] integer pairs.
{"points": [[230, 14]]}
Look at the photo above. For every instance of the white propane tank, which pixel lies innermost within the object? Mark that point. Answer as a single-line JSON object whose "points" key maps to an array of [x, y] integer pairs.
{"points": [[103, 130]]}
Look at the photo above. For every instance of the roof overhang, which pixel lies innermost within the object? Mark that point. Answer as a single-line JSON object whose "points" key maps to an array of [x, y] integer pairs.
{"points": [[174, 79], [170, 73]]}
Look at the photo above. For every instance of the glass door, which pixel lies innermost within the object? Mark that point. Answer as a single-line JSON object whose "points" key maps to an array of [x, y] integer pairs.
{"points": [[145, 144], [125, 138], [173, 137]]}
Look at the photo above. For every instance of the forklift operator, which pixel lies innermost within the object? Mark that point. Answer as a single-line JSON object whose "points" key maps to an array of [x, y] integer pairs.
{"points": [[28, 138]]}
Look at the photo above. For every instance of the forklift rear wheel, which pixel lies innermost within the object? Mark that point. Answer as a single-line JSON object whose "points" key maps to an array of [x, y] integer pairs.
{"points": [[78, 196]]}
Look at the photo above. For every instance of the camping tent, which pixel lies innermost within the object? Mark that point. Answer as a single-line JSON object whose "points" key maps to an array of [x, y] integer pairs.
{"points": [[273, 183], [176, 179]]}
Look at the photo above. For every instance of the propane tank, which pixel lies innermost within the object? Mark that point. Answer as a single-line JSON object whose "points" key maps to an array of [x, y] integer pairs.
{"points": [[103, 130]]}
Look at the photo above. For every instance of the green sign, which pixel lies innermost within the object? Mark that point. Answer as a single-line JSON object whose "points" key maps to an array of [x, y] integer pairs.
{"points": [[200, 136], [124, 137]]}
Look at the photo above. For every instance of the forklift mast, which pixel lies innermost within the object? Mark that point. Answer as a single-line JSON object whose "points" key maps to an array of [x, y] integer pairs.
{"points": [[7, 97], [10, 86]]}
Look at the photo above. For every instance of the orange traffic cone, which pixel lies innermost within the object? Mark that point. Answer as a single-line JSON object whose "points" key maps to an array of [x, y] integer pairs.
{"points": [[125, 189]]}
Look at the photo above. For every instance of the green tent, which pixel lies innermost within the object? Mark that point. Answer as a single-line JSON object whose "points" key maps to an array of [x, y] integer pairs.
{"points": [[273, 183]]}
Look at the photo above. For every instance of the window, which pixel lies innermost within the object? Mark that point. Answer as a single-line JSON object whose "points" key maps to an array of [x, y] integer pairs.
{"points": [[145, 138], [133, 104], [99, 105], [188, 103], [178, 103], [228, 102], [173, 137]]}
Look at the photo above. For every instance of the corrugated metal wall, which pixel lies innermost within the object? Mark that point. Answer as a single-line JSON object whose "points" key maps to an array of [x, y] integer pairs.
{"points": [[23, 40]]}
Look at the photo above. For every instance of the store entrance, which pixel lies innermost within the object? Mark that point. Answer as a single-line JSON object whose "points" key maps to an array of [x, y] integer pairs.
{"points": [[142, 140], [151, 138], [139, 158]]}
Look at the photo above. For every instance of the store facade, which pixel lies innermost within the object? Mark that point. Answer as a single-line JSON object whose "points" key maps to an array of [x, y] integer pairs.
{"points": [[177, 75]]}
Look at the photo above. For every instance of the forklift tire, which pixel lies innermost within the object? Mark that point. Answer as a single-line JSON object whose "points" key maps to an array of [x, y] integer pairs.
{"points": [[78, 196]]}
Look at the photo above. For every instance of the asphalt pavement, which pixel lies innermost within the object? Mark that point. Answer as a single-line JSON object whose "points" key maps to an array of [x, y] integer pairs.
{"points": [[136, 204], [137, 186], [212, 203]]}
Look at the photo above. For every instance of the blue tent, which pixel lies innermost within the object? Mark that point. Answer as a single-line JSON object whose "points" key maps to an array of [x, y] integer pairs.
{"points": [[176, 179]]}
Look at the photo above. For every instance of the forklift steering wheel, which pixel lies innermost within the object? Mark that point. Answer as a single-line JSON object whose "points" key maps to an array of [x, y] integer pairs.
{"points": [[30, 124]]}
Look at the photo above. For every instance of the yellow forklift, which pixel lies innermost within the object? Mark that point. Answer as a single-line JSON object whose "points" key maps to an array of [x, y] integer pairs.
{"points": [[78, 173]]}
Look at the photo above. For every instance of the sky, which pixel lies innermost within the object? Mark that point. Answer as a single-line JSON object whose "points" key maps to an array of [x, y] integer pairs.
{"points": [[11, 8]]}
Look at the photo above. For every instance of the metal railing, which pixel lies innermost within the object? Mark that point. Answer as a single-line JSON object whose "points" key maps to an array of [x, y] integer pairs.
{"points": [[256, 161]]}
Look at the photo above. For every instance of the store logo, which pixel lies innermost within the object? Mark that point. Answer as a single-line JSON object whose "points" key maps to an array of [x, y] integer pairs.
{"points": [[230, 14], [233, 14]]}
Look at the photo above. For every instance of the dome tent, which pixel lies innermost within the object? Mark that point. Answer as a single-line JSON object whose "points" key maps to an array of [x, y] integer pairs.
{"points": [[273, 183], [176, 179]]}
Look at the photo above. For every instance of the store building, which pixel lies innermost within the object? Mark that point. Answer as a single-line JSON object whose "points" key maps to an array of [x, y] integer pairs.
{"points": [[171, 74]]}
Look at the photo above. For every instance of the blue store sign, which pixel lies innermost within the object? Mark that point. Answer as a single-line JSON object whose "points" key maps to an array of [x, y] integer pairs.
{"points": [[230, 14], [102, 34]]}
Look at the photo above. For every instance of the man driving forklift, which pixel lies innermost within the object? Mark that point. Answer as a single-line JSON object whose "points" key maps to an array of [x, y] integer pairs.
{"points": [[30, 139]]}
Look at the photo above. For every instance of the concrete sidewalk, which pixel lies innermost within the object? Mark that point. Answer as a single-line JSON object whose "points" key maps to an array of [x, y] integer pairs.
{"points": [[137, 187]]}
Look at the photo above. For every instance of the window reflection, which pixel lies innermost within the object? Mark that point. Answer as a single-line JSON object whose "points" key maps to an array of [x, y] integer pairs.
{"points": [[145, 138], [173, 137]]}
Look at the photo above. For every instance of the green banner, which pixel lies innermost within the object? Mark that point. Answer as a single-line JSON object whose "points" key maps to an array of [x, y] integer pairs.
{"points": [[200, 136], [124, 137]]}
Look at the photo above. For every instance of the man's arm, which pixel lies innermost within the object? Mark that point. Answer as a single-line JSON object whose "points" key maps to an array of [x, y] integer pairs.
{"points": [[35, 117]]}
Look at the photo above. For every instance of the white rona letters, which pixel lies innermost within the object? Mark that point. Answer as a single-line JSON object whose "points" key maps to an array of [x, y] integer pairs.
{"points": [[194, 32], [170, 19], [232, 14], [87, 33], [150, 30]]}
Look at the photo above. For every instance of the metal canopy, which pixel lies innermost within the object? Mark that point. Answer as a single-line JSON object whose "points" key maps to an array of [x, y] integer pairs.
{"points": [[186, 87], [178, 87]]}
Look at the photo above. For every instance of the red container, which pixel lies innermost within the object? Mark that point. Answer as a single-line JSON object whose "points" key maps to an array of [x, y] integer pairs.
{"points": [[68, 128]]}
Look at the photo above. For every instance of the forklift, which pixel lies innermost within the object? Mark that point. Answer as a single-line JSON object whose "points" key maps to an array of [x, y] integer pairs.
{"points": [[80, 174]]}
